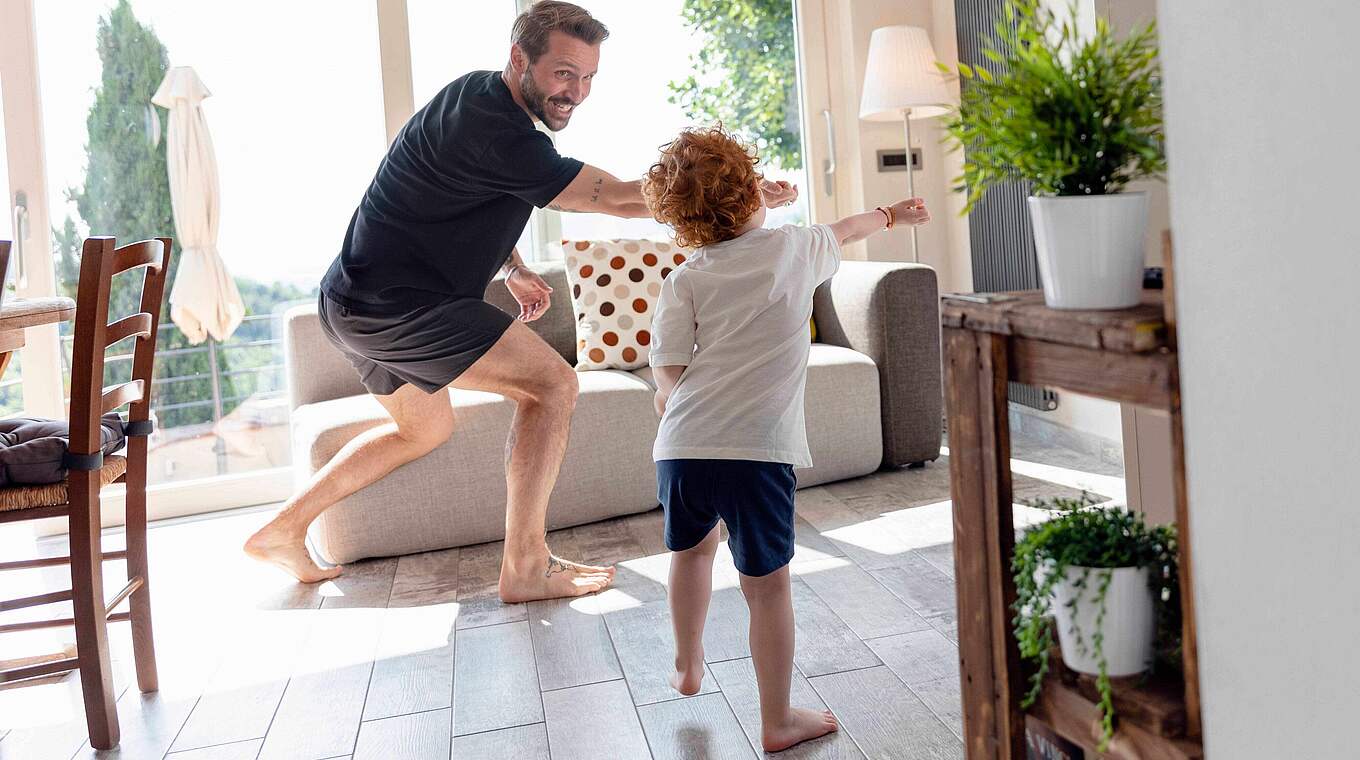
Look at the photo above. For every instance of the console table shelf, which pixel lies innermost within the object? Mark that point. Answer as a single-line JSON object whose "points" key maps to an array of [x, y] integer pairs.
{"points": [[1127, 356]]}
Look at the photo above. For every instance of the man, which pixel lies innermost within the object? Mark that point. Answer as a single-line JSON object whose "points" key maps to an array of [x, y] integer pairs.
{"points": [[404, 301]]}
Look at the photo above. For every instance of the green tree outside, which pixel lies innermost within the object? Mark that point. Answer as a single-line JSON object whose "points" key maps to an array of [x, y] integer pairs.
{"points": [[745, 75]]}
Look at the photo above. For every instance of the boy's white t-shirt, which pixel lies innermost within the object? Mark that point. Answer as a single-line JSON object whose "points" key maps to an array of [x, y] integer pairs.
{"points": [[736, 314]]}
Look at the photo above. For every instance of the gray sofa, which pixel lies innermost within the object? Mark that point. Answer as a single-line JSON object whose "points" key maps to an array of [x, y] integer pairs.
{"points": [[873, 400]]}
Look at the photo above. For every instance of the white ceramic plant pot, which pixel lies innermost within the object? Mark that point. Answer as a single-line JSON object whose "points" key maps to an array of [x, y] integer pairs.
{"points": [[1090, 249], [1129, 627]]}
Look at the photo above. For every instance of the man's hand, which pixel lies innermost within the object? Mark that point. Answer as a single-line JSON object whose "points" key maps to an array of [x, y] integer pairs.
{"points": [[659, 400], [531, 293], [779, 193]]}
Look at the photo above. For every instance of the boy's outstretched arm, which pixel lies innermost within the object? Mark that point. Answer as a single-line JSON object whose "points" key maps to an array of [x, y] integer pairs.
{"points": [[596, 191], [666, 377], [857, 227]]}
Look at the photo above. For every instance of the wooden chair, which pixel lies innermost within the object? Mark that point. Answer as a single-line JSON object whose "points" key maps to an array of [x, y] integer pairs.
{"points": [[77, 498]]}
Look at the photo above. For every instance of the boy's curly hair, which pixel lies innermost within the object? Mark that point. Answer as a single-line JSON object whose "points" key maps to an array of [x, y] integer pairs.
{"points": [[705, 186]]}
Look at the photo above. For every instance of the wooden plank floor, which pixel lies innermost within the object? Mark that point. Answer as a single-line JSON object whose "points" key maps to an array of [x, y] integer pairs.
{"points": [[415, 658]]}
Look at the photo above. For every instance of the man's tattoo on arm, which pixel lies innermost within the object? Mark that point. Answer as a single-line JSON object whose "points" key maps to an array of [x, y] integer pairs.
{"points": [[554, 566], [594, 198]]}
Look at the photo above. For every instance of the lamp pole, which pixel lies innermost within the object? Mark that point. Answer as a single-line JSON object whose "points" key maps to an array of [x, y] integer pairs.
{"points": [[911, 185]]}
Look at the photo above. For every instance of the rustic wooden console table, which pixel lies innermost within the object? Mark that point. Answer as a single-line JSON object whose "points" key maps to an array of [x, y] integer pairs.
{"points": [[1127, 356]]}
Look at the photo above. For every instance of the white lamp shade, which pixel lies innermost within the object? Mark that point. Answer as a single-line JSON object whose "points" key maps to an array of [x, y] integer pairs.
{"points": [[902, 74]]}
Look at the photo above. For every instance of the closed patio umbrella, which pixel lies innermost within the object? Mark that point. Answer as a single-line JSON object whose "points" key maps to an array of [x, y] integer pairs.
{"points": [[204, 301]]}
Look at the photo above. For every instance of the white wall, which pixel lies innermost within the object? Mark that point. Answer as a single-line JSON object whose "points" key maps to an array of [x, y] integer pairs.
{"points": [[1261, 116], [1124, 16], [1094, 416]]}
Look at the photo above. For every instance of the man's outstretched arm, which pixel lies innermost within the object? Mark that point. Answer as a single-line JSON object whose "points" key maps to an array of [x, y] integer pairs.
{"points": [[596, 191]]}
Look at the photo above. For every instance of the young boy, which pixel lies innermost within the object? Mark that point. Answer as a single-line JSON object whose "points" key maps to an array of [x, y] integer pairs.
{"points": [[729, 355]]}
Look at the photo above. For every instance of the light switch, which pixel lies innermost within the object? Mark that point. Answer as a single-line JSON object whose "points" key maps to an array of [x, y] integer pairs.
{"points": [[892, 160]]}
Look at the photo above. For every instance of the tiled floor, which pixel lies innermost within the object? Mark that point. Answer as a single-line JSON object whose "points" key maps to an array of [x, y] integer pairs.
{"points": [[415, 658]]}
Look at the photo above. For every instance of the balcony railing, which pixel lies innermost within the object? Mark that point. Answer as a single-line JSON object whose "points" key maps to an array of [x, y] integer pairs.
{"points": [[215, 403]]}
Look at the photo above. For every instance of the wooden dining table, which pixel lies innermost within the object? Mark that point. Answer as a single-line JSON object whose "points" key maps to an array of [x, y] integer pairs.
{"points": [[19, 314]]}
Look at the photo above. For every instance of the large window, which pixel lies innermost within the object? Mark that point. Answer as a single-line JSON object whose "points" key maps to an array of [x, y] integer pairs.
{"points": [[296, 121], [449, 40], [643, 95]]}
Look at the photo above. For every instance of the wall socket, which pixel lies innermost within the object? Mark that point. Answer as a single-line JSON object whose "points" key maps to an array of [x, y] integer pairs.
{"points": [[892, 160]]}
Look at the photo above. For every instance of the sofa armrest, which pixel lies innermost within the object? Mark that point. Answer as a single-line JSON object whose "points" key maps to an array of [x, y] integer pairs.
{"points": [[891, 312], [316, 370]]}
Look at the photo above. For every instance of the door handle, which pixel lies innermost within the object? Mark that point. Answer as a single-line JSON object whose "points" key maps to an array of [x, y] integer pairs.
{"points": [[20, 238], [829, 163]]}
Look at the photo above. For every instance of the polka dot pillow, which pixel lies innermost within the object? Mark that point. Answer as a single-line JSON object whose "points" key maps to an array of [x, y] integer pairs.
{"points": [[615, 285]]}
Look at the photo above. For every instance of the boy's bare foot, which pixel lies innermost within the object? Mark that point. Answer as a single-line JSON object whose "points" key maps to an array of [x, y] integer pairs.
{"points": [[800, 726], [688, 680], [549, 577], [287, 552]]}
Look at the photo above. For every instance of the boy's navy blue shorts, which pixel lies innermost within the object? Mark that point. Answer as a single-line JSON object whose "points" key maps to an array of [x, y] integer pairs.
{"points": [[754, 499]]}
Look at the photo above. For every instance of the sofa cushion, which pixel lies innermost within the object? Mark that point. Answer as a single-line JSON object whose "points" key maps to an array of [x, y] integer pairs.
{"points": [[841, 410], [615, 286], [455, 495]]}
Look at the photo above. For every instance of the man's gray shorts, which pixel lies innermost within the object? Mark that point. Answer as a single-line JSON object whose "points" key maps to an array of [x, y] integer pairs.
{"points": [[428, 347]]}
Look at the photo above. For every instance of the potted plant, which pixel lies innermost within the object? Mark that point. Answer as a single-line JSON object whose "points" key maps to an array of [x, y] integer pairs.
{"points": [[1109, 580], [1080, 116]]}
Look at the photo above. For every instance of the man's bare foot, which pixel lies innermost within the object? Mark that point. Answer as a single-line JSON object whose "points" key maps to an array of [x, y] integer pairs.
{"points": [[800, 726], [549, 577], [269, 545], [688, 680]]}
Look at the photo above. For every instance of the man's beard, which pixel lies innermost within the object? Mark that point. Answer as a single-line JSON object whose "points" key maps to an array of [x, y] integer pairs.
{"points": [[538, 103]]}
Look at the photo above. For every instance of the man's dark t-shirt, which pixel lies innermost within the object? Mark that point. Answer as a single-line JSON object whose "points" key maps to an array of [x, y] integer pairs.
{"points": [[448, 202]]}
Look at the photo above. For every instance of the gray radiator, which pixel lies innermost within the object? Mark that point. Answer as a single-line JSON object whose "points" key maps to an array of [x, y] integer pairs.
{"points": [[1002, 239]]}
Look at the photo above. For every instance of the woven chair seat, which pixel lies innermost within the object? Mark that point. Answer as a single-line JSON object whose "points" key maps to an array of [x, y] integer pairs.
{"points": [[54, 494]]}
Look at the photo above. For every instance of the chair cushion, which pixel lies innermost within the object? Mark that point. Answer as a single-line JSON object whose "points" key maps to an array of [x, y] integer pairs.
{"points": [[32, 448], [54, 494], [615, 286]]}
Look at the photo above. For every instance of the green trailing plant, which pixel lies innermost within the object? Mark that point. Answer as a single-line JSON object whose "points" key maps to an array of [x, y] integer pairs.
{"points": [[1094, 540], [1075, 113]]}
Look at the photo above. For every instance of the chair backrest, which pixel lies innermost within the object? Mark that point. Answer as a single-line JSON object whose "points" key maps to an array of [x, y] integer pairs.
{"points": [[100, 261]]}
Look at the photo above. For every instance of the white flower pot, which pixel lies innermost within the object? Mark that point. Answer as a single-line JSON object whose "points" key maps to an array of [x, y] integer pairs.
{"points": [[1090, 249], [1129, 627]]}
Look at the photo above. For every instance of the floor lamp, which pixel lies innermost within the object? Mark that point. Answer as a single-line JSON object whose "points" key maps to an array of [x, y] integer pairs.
{"points": [[902, 82]]}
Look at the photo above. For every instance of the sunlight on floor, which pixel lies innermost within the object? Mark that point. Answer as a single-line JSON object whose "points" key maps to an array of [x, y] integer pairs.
{"points": [[1105, 485]]}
